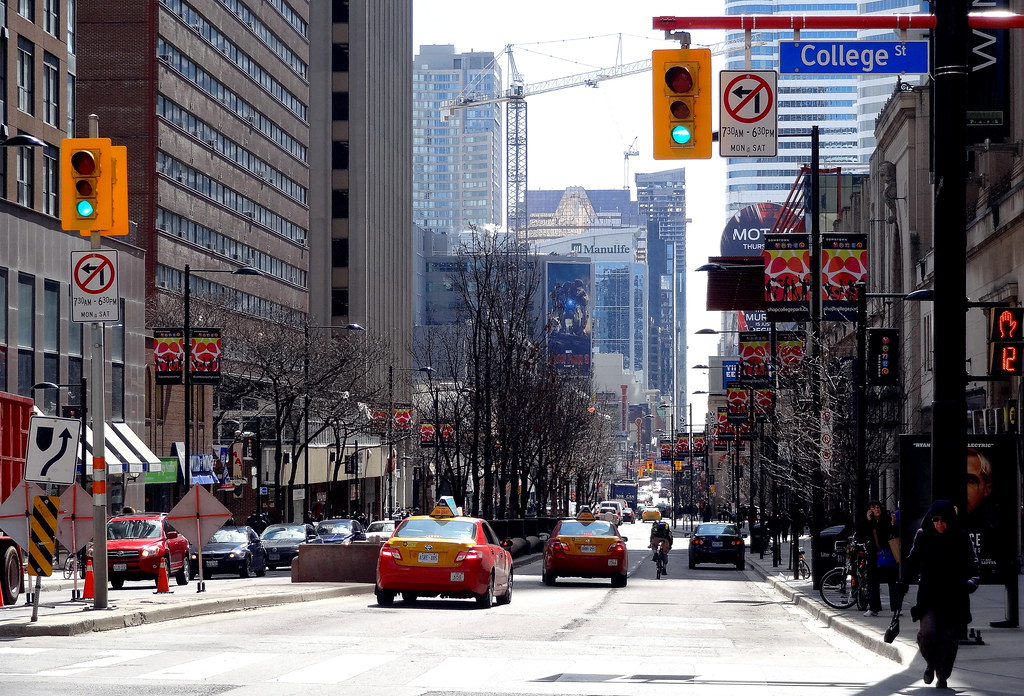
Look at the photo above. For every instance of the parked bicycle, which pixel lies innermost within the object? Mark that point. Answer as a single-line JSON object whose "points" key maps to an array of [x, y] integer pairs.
{"points": [[803, 571], [70, 564], [847, 584]]}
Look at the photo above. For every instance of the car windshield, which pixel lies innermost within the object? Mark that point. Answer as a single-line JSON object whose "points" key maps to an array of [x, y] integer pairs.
{"points": [[576, 528], [284, 533], [444, 529], [133, 529], [230, 535], [717, 530], [381, 527], [335, 527]]}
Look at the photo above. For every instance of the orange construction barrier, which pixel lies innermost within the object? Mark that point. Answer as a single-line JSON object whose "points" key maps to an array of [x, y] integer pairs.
{"points": [[163, 585], [87, 591]]}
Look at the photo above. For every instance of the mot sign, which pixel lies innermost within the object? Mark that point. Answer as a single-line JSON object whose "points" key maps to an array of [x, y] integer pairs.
{"points": [[748, 117]]}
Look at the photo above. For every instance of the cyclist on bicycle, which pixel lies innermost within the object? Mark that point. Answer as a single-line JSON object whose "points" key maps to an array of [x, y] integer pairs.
{"points": [[661, 532]]}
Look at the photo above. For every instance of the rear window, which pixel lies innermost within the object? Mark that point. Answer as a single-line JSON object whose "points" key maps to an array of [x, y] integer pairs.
{"points": [[284, 533], [441, 529], [717, 529], [597, 528], [337, 527]]}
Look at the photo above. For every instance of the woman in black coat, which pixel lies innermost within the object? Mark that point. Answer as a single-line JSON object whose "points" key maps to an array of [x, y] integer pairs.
{"points": [[943, 559]]}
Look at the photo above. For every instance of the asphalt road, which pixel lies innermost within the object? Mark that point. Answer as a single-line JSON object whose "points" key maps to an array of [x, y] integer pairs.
{"points": [[713, 630]]}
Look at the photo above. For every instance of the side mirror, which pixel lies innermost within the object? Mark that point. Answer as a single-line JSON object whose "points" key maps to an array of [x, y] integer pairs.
{"points": [[624, 538], [506, 543]]}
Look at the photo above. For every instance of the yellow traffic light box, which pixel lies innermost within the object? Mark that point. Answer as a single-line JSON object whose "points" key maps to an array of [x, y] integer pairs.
{"points": [[94, 186], [681, 106]]}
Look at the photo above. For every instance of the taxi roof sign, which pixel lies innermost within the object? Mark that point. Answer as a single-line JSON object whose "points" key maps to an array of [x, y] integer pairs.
{"points": [[445, 507], [585, 515]]}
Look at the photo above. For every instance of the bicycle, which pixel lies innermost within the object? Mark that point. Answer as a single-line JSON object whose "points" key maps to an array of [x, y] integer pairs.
{"points": [[847, 584], [661, 558], [69, 565], [803, 571]]}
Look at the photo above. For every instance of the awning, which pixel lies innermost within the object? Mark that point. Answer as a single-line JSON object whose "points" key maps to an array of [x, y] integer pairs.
{"points": [[125, 451], [737, 285]]}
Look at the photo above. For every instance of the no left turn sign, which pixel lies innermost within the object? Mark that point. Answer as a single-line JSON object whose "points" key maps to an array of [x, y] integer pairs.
{"points": [[94, 293], [748, 117]]}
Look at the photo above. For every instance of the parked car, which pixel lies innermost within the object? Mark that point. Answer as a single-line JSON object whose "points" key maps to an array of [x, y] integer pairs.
{"points": [[139, 544], [282, 542], [234, 550], [444, 554], [338, 532], [585, 547], [717, 543], [380, 530]]}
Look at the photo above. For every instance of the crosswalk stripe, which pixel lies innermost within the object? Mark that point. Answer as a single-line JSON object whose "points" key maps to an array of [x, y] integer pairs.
{"points": [[207, 667], [22, 651], [336, 669], [113, 657]]}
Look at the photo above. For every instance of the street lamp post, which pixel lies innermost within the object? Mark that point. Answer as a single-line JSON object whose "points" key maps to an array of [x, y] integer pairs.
{"points": [[390, 433], [187, 371], [305, 413]]}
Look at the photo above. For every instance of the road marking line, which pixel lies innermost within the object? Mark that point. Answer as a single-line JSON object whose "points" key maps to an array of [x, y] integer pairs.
{"points": [[336, 669], [113, 657], [197, 670]]}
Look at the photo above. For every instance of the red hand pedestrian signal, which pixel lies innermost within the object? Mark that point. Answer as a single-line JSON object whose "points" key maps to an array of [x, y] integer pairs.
{"points": [[1006, 342]]}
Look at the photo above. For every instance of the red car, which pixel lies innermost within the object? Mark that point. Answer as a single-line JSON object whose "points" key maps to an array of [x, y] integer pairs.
{"points": [[585, 547], [137, 545], [444, 554]]}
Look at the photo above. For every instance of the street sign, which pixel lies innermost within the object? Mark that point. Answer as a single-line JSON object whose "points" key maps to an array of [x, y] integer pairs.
{"points": [[74, 526], [52, 449], [854, 57], [198, 515], [44, 526], [94, 294], [16, 511], [748, 117]]}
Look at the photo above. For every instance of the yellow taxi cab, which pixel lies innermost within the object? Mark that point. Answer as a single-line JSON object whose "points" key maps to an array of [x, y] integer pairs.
{"points": [[444, 554], [650, 514], [585, 547]]}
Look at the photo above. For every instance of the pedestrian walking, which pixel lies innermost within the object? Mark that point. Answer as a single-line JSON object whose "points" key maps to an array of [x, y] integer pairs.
{"points": [[874, 531], [943, 561]]}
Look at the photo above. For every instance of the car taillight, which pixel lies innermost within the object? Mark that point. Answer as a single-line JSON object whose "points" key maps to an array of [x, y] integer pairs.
{"points": [[469, 555], [737, 542], [559, 546], [617, 546], [697, 541], [391, 551]]}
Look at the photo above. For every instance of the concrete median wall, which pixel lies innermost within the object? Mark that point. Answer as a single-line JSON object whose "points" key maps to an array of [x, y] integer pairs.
{"points": [[354, 562]]}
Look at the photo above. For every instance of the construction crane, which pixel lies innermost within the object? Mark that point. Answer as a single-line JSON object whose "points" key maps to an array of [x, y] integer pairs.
{"points": [[630, 151], [515, 134]]}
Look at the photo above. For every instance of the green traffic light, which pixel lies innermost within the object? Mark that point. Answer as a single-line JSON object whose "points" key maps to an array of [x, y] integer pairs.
{"points": [[85, 209], [681, 135]]}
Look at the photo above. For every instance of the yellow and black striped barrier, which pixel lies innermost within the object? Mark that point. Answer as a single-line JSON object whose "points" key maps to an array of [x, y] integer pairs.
{"points": [[43, 531]]}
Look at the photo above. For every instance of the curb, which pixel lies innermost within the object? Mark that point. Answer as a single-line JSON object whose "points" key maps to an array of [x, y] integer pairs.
{"points": [[94, 621], [830, 618]]}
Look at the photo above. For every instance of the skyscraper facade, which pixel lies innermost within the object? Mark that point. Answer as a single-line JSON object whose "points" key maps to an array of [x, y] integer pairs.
{"points": [[457, 153]]}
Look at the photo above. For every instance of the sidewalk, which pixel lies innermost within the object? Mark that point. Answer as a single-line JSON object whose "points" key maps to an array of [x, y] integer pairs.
{"points": [[993, 667]]}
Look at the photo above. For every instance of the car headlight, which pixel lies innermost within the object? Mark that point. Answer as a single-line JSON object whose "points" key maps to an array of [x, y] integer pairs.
{"points": [[194, 556], [150, 551], [233, 554]]}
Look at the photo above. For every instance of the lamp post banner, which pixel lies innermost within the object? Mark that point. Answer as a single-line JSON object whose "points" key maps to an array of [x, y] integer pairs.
{"points": [[787, 277], [844, 266], [790, 348], [168, 355], [206, 355], [754, 350]]}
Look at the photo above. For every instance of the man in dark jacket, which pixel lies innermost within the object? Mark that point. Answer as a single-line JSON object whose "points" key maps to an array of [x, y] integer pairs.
{"points": [[943, 559]]}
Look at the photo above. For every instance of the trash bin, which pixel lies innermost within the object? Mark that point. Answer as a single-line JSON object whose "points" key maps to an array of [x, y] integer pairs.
{"points": [[758, 538], [827, 546]]}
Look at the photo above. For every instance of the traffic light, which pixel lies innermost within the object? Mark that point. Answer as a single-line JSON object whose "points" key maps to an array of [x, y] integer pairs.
{"points": [[1006, 342], [87, 185], [681, 107]]}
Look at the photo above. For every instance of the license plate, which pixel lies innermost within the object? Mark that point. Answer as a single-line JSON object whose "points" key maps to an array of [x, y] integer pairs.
{"points": [[210, 564], [428, 558], [588, 549], [613, 561], [274, 556], [120, 567], [716, 544], [458, 577]]}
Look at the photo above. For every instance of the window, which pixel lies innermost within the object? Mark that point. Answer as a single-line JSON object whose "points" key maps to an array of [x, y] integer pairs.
{"points": [[26, 177], [51, 16], [339, 57], [339, 106], [27, 9], [51, 316], [51, 89], [50, 184], [71, 27], [26, 312], [339, 253], [26, 75], [70, 111]]}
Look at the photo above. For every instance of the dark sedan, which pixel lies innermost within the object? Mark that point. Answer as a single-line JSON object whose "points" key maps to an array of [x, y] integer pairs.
{"points": [[234, 550], [717, 543], [338, 532], [282, 542]]}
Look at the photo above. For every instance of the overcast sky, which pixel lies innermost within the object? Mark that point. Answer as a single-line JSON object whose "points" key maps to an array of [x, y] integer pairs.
{"points": [[577, 136]]}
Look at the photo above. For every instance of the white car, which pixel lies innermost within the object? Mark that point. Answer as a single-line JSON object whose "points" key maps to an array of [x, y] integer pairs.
{"points": [[380, 531]]}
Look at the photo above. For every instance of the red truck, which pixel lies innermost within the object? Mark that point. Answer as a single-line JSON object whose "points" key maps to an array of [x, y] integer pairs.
{"points": [[15, 412]]}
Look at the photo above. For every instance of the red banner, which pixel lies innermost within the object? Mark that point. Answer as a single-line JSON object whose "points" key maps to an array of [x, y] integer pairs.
{"points": [[754, 351], [206, 356], [168, 355], [844, 266]]}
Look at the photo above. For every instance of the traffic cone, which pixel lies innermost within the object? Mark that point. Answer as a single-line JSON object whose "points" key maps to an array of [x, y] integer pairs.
{"points": [[87, 591], [163, 586]]}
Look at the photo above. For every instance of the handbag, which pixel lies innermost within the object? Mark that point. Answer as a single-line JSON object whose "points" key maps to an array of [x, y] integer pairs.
{"points": [[886, 559], [894, 628]]}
